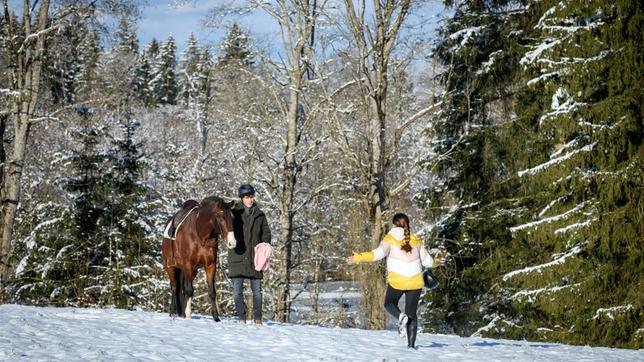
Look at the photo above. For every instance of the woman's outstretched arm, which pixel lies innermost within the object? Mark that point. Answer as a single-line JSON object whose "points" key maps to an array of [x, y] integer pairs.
{"points": [[376, 254]]}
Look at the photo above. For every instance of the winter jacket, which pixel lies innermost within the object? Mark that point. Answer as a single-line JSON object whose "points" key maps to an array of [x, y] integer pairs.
{"points": [[250, 228], [404, 270]]}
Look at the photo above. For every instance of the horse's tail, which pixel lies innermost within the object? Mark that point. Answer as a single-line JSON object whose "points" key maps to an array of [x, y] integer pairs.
{"points": [[178, 275], [179, 292]]}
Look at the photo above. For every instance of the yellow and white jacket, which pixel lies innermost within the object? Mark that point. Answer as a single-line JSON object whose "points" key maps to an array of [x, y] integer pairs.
{"points": [[404, 269]]}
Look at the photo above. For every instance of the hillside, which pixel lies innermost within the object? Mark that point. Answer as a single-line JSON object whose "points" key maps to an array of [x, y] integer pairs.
{"points": [[72, 334]]}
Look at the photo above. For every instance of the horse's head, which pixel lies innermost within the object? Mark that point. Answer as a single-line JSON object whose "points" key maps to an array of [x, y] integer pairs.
{"points": [[222, 218]]}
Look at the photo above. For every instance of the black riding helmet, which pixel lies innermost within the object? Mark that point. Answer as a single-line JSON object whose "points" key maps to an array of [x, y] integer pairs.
{"points": [[246, 189]]}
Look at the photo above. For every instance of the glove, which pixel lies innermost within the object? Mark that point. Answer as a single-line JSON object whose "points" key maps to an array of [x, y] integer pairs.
{"points": [[230, 241]]}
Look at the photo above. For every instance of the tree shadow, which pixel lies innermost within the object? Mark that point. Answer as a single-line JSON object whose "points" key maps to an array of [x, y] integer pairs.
{"points": [[493, 344], [433, 345]]}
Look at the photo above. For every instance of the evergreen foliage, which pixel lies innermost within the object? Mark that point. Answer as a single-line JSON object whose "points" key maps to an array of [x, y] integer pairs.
{"points": [[543, 185], [190, 66], [101, 249], [125, 36], [235, 48], [135, 251], [64, 63], [88, 59], [163, 83], [143, 69], [66, 243]]}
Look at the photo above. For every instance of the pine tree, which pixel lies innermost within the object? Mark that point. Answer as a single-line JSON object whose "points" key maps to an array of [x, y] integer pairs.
{"points": [[204, 74], [190, 65], [88, 57], [236, 48], [164, 82], [471, 170], [125, 37], [62, 63], [545, 140], [62, 255], [145, 61], [133, 276]]}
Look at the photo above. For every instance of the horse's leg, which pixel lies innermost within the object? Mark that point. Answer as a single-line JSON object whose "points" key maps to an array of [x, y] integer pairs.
{"points": [[171, 271], [188, 291], [211, 270]]}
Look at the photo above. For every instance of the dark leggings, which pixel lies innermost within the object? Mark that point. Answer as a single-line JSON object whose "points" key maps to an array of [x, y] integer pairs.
{"points": [[411, 305], [411, 301]]}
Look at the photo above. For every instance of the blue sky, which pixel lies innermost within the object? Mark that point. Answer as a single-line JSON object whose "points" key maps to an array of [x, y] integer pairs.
{"points": [[164, 17], [179, 18], [161, 18]]}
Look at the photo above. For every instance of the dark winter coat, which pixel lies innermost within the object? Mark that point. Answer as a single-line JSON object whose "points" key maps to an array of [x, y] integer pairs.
{"points": [[250, 229]]}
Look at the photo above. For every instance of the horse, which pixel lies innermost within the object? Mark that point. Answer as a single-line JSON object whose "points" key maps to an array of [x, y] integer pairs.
{"points": [[198, 229]]}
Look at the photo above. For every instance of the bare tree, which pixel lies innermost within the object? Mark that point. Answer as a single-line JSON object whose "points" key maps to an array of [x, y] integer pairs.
{"points": [[373, 42], [297, 20]]}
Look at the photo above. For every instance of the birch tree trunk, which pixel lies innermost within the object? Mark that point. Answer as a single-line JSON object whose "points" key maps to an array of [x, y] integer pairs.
{"points": [[296, 32], [289, 180], [25, 74]]}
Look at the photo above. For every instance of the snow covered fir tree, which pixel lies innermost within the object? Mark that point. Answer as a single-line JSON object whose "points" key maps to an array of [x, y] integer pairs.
{"points": [[511, 133]]}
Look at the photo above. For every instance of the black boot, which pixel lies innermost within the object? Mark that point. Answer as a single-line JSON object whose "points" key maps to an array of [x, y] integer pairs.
{"points": [[412, 328]]}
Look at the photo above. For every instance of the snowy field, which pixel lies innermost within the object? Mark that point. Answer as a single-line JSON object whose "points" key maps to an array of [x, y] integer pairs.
{"points": [[71, 334]]}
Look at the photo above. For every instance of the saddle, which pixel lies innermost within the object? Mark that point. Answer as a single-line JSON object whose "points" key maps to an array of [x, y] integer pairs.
{"points": [[178, 218]]}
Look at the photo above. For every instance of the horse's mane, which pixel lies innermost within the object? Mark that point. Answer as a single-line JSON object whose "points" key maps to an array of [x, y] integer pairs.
{"points": [[213, 200]]}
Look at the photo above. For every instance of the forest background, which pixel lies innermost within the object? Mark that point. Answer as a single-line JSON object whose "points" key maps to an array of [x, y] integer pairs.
{"points": [[512, 136]]}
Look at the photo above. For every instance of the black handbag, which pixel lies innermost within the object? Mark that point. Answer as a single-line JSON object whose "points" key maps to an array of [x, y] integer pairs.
{"points": [[430, 280]]}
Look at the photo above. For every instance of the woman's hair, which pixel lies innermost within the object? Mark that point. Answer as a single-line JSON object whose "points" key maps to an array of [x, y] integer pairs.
{"points": [[401, 220]]}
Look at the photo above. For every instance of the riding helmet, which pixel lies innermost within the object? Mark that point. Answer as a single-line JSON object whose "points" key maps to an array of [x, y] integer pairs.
{"points": [[246, 189]]}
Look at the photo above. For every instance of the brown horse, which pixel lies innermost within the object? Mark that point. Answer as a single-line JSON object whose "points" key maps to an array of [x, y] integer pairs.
{"points": [[195, 246]]}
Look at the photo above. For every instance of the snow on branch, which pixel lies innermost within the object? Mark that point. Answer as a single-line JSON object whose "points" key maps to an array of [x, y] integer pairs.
{"points": [[64, 250], [555, 161], [551, 204], [9, 93], [491, 325], [569, 25], [21, 266], [608, 312], [465, 35], [566, 146], [487, 65], [545, 76], [575, 226], [531, 294], [562, 103], [568, 61], [30, 241], [548, 220], [559, 260], [531, 56]]}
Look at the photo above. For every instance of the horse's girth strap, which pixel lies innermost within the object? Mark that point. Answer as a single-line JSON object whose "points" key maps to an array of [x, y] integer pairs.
{"points": [[182, 220]]}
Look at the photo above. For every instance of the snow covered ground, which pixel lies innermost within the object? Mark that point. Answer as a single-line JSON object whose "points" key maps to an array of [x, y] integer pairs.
{"points": [[71, 334]]}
